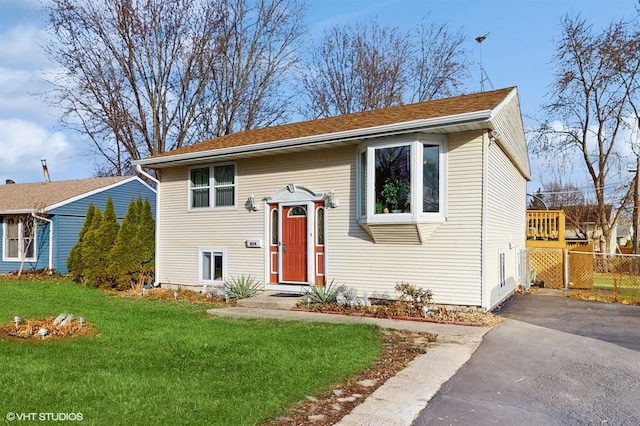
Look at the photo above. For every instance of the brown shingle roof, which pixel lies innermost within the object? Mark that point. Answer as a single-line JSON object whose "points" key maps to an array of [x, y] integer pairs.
{"points": [[398, 114], [30, 196]]}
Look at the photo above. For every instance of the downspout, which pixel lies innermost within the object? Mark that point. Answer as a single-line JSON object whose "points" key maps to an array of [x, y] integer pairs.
{"points": [[157, 230], [50, 237], [484, 294]]}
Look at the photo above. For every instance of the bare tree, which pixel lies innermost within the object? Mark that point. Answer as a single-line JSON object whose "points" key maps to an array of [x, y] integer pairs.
{"points": [[441, 65], [587, 114], [364, 66], [258, 47], [143, 77], [356, 68]]}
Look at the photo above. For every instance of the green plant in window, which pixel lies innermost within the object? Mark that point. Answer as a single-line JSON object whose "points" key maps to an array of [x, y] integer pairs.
{"points": [[396, 193]]}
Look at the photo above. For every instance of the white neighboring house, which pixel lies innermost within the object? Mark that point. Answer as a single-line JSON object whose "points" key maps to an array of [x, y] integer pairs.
{"points": [[624, 234], [432, 193]]}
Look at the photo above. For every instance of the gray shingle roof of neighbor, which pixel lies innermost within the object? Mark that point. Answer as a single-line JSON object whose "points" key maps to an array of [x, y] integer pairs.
{"points": [[17, 197]]}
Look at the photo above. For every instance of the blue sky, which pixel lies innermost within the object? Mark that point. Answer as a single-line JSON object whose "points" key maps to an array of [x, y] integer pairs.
{"points": [[516, 52]]}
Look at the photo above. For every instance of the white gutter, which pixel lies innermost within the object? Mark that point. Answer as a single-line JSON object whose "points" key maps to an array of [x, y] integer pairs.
{"points": [[147, 175], [157, 230], [473, 117], [50, 237]]}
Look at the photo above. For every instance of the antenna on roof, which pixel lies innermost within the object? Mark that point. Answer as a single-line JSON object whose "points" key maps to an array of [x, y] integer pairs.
{"points": [[483, 74], [45, 170]]}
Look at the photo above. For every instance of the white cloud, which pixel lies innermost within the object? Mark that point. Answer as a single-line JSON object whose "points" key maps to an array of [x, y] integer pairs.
{"points": [[23, 144], [22, 46]]}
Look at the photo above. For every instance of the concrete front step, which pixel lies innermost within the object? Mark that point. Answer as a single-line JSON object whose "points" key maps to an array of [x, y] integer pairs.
{"points": [[281, 301]]}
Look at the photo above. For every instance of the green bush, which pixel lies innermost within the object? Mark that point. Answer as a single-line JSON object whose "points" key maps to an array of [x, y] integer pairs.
{"points": [[241, 287], [75, 261], [145, 242], [123, 256], [98, 245], [322, 295], [111, 255]]}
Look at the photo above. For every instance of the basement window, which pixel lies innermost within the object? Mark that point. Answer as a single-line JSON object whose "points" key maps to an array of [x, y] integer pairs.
{"points": [[211, 265]]}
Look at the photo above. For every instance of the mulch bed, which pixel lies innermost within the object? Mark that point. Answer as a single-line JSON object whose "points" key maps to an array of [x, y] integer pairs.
{"points": [[401, 310], [28, 330], [178, 295]]}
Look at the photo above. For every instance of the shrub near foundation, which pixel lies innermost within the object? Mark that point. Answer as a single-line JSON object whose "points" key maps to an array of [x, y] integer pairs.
{"points": [[241, 287]]}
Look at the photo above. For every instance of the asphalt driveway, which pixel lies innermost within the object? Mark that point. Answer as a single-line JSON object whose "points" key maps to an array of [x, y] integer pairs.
{"points": [[554, 361]]}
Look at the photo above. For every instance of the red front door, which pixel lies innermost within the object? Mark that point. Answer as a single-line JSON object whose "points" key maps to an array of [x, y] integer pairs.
{"points": [[294, 243]]}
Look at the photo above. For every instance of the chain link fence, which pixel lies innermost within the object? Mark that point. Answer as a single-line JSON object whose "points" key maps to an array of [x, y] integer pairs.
{"points": [[609, 274]]}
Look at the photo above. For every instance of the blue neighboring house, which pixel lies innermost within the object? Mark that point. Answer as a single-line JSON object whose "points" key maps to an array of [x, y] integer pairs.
{"points": [[41, 221]]}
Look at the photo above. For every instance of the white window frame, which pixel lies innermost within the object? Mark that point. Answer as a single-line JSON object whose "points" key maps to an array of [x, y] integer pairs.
{"points": [[416, 144], [502, 270], [214, 251], [21, 240], [212, 187]]}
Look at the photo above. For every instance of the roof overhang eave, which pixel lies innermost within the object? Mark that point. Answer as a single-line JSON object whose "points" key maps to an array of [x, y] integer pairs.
{"points": [[18, 211], [433, 124]]}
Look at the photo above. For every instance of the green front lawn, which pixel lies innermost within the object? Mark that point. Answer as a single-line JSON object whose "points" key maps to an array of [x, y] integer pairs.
{"points": [[624, 285], [167, 362]]}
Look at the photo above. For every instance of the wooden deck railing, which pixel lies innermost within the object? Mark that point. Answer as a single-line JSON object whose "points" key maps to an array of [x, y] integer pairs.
{"points": [[545, 228]]}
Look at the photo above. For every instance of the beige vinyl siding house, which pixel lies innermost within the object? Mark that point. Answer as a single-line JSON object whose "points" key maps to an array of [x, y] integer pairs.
{"points": [[302, 204]]}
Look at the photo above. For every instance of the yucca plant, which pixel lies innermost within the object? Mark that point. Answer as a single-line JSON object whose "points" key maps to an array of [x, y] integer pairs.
{"points": [[241, 287], [322, 295]]}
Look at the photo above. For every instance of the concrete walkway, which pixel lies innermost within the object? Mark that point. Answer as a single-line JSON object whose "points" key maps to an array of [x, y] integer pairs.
{"points": [[400, 399]]}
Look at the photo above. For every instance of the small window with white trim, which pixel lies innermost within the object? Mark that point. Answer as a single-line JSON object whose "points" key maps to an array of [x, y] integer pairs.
{"points": [[19, 238], [211, 265], [212, 186], [502, 271]]}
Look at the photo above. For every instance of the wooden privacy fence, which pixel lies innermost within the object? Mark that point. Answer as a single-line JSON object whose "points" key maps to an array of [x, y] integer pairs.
{"points": [[561, 268], [581, 269], [548, 266]]}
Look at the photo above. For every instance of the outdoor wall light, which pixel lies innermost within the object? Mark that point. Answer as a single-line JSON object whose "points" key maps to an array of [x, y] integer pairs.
{"points": [[331, 199], [251, 204]]}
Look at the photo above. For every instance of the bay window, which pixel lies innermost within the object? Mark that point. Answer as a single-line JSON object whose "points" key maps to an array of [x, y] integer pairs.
{"points": [[401, 179]]}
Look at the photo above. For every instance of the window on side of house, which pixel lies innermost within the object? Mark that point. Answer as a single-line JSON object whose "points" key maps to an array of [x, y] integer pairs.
{"points": [[212, 186], [19, 239], [401, 179], [211, 265], [502, 270]]}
